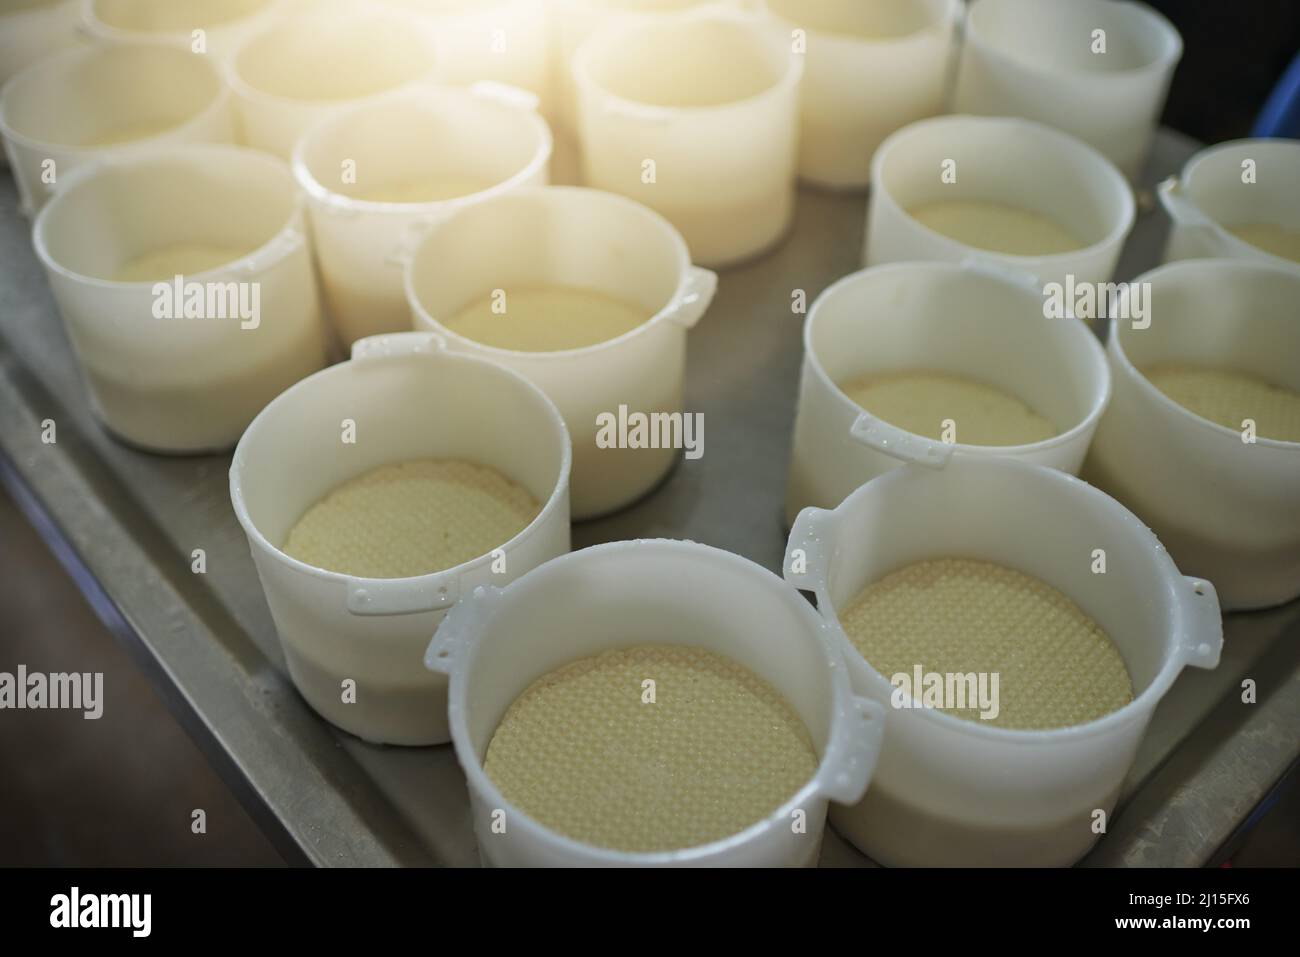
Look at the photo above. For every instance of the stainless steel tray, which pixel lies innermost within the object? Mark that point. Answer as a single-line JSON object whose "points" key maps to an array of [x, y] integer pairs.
{"points": [[126, 522]]}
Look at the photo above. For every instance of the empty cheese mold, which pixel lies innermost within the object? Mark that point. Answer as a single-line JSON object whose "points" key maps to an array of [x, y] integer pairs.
{"points": [[1227, 508], [1004, 160], [123, 96], [224, 23], [569, 236], [296, 70], [496, 641], [1231, 184], [972, 320], [869, 68], [406, 398], [505, 41], [158, 377], [696, 116], [1098, 69], [954, 792], [33, 29], [487, 138], [573, 21]]}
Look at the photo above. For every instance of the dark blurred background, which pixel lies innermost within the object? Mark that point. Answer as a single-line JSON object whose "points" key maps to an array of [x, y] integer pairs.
{"points": [[119, 790], [1234, 52]]}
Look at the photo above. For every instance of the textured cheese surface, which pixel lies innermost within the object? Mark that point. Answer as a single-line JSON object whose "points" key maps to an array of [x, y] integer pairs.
{"points": [[998, 227], [179, 259], [1271, 238], [1056, 666], [1228, 398], [717, 751], [411, 518], [920, 402], [547, 319]]}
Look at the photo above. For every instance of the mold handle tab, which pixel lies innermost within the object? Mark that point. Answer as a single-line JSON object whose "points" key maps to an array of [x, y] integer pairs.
{"points": [[1180, 209], [693, 297], [899, 444], [414, 235], [397, 344], [412, 596], [807, 554], [456, 631], [852, 753], [1201, 627]]}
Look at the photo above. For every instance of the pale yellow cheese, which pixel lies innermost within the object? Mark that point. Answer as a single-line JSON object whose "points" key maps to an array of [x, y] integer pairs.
{"points": [[115, 135], [583, 752], [1055, 665], [1229, 398], [546, 318], [997, 227], [920, 402], [178, 259], [411, 518]]}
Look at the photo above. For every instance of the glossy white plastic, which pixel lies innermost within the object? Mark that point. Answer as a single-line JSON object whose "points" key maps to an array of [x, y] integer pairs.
{"points": [[954, 792], [568, 236], [295, 70], [1243, 182], [869, 69], [1004, 160], [100, 101], [971, 320], [408, 398], [710, 143], [496, 641], [160, 375], [1098, 69], [1227, 508], [489, 137]]}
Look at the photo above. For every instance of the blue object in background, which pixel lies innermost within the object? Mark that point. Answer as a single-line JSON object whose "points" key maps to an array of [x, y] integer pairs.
{"points": [[1281, 113]]}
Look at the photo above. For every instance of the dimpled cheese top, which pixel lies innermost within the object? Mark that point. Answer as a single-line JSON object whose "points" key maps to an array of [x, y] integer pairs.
{"points": [[411, 518], [546, 319], [919, 402], [421, 190], [582, 753], [1271, 238], [1228, 397], [1056, 667], [998, 227], [179, 259]]}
